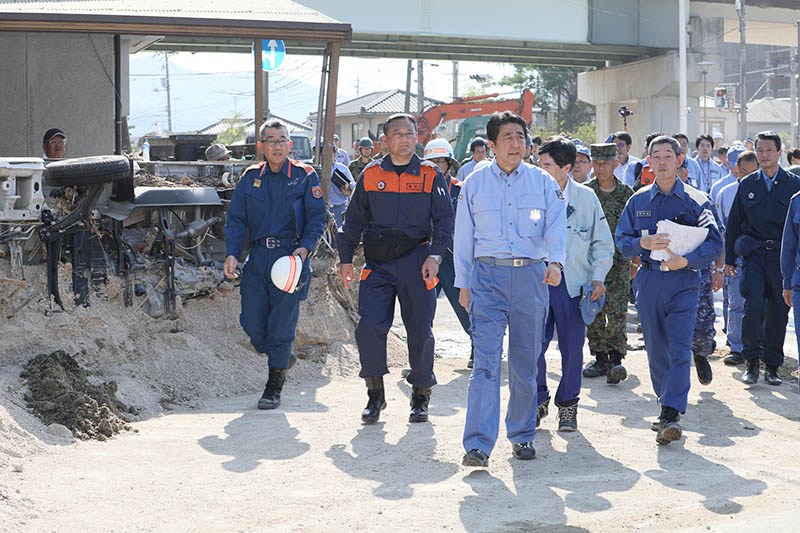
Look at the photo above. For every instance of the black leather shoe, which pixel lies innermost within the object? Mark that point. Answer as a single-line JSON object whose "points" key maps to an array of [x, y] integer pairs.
{"points": [[542, 411], [524, 451], [599, 367], [271, 398], [376, 402], [771, 376], [734, 359], [669, 430], [751, 374], [419, 405], [475, 458], [704, 374]]}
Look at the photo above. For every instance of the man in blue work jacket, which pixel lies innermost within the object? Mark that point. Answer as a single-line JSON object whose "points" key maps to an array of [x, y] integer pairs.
{"points": [[511, 217], [403, 204], [755, 227], [667, 292], [790, 259], [590, 254], [278, 204]]}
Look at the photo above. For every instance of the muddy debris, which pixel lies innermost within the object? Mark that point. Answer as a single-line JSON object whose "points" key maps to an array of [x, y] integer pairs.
{"points": [[59, 392]]}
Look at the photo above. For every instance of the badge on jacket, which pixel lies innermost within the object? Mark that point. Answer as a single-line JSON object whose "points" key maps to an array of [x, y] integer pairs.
{"points": [[256, 183], [751, 196], [316, 191]]}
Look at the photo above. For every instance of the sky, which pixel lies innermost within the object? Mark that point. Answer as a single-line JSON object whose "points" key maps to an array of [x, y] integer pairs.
{"points": [[205, 87]]}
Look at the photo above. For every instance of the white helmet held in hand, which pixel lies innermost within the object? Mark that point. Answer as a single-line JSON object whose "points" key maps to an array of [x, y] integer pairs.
{"points": [[286, 272]]}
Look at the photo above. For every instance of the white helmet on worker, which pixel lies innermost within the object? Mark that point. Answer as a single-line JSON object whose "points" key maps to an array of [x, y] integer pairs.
{"points": [[286, 272], [437, 148]]}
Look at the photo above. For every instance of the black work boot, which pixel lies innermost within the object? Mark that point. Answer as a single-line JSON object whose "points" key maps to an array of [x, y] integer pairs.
{"points": [[376, 402], [542, 411], [419, 405], [271, 398], [703, 369], [471, 362], [669, 430], [598, 368], [616, 372], [734, 359], [771, 375], [751, 373]]}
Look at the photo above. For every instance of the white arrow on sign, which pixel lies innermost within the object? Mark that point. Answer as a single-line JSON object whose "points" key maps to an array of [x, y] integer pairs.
{"points": [[271, 57]]}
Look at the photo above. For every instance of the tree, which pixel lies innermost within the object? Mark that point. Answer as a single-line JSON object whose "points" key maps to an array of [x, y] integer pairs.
{"points": [[236, 130], [555, 88]]}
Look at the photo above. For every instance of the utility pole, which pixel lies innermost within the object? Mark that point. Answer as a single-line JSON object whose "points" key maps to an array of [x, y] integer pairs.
{"points": [[420, 89], [169, 100], [683, 91], [740, 6], [795, 92], [455, 80], [407, 106]]}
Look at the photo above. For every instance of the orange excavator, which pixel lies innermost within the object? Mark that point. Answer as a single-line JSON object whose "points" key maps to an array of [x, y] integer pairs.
{"points": [[431, 120]]}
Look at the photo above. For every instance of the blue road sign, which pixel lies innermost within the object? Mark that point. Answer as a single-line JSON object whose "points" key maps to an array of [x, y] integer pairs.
{"points": [[273, 54]]}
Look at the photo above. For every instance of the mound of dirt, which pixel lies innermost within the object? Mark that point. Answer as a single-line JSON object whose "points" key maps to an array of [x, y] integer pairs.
{"points": [[59, 392]]}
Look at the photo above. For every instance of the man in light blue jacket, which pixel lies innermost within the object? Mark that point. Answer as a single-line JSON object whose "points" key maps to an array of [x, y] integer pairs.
{"points": [[590, 254]]}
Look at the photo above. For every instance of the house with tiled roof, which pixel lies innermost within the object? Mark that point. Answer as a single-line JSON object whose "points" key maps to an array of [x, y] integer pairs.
{"points": [[364, 116]]}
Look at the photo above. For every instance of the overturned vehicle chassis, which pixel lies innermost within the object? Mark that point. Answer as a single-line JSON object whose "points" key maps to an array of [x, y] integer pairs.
{"points": [[165, 243]]}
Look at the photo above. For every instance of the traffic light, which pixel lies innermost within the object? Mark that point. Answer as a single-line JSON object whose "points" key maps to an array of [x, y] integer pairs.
{"points": [[720, 100]]}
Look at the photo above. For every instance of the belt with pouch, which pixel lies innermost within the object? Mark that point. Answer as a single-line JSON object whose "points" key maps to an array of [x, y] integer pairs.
{"points": [[649, 265], [510, 262]]}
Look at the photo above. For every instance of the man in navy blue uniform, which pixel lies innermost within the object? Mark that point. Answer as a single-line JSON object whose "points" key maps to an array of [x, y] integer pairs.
{"points": [[402, 207], [755, 227], [667, 292], [278, 204]]}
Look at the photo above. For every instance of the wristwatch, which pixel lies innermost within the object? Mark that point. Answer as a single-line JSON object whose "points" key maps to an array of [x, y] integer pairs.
{"points": [[559, 265], [437, 258], [663, 267], [720, 270]]}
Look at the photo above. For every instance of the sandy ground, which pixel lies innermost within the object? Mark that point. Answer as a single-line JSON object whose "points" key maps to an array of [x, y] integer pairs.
{"points": [[310, 465]]}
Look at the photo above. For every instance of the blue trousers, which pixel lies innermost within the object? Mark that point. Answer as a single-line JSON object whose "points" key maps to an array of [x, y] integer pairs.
{"points": [[796, 307], [565, 315], [447, 278], [667, 306], [504, 297], [269, 315], [338, 214], [735, 309], [765, 313], [380, 285]]}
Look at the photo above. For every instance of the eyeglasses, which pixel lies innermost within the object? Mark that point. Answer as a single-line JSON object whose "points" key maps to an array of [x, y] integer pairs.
{"points": [[57, 142], [276, 142]]}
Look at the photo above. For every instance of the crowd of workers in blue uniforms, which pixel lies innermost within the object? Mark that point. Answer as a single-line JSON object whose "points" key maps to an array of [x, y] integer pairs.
{"points": [[494, 239]]}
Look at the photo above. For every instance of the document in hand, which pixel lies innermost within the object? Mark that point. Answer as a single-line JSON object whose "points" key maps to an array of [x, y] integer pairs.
{"points": [[683, 239]]}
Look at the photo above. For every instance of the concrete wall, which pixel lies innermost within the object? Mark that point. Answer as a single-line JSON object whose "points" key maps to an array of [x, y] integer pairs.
{"points": [[56, 80]]}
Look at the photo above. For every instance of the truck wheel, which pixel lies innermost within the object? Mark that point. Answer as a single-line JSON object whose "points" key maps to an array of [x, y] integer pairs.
{"points": [[88, 170]]}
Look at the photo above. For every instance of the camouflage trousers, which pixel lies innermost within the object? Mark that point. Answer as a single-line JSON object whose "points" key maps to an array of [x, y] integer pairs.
{"points": [[608, 331], [703, 342]]}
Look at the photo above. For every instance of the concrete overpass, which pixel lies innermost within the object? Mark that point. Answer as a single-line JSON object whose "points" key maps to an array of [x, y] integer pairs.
{"points": [[630, 44]]}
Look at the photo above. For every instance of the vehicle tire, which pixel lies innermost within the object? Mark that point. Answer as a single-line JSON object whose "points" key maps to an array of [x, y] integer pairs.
{"points": [[88, 170]]}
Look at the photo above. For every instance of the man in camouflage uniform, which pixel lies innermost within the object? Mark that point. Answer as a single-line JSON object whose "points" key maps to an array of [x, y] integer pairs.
{"points": [[608, 341], [365, 149], [703, 343]]}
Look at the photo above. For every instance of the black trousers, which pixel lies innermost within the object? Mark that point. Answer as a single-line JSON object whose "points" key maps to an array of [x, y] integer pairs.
{"points": [[765, 313]]}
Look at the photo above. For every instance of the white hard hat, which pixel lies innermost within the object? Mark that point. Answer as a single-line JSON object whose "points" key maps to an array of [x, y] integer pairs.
{"points": [[286, 272], [437, 148]]}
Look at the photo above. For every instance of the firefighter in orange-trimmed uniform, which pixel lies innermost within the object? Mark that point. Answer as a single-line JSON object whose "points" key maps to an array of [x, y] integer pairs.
{"points": [[402, 207]]}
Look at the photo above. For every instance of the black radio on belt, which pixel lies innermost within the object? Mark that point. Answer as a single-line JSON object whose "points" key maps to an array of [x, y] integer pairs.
{"points": [[382, 247]]}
